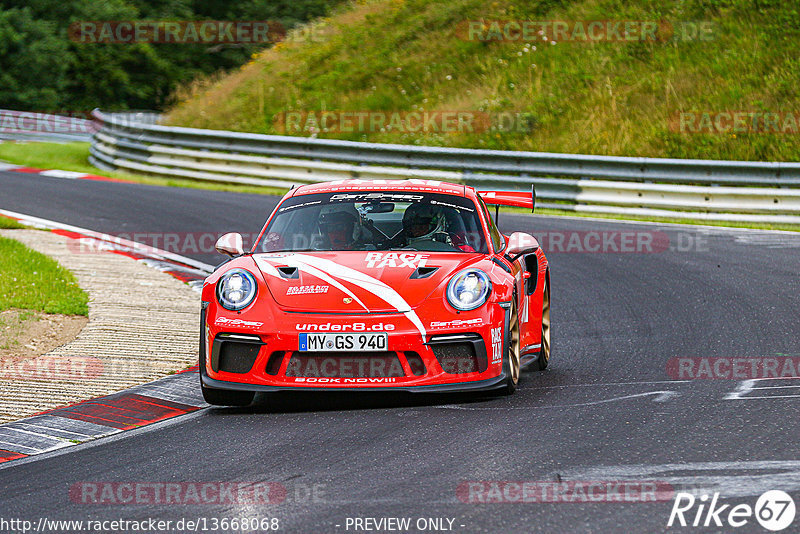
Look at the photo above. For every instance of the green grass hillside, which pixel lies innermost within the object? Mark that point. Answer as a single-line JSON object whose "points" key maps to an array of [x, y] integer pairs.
{"points": [[606, 97]]}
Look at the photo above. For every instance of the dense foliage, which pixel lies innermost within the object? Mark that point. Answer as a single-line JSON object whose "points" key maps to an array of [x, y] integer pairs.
{"points": [[42, 69]]}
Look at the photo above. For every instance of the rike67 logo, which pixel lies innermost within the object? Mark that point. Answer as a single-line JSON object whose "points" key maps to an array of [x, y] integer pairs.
{"points": [[774, 510]]}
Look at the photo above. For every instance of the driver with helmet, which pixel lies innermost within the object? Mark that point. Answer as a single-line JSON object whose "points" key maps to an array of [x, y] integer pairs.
{"points": [[340, 229], [425, 222]]}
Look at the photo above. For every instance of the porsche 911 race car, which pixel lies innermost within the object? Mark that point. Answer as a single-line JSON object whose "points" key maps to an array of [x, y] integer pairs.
{"points": [[376, 285]]}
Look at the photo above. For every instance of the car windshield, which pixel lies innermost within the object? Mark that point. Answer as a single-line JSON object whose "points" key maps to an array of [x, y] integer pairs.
{"points": [[375, 220]]}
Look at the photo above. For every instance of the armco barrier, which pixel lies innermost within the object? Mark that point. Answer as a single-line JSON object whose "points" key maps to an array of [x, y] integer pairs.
{"points": [[693, 189]]}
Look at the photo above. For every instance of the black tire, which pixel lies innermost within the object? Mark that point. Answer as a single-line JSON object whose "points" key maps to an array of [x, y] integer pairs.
{"points": [[511, 359], [544, 352], [227, 397]]}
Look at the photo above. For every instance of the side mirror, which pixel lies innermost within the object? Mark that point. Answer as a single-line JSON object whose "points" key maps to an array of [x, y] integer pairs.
{"points": [[519, 244], [230, 245]]}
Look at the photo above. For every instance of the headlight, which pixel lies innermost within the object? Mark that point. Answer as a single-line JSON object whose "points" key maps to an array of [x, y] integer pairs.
{"points": [[469, 289], [236, 289]]}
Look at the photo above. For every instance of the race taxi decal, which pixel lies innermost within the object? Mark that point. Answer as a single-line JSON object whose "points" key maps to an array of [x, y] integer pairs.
{"points": [[395, 259], [497, 345]]}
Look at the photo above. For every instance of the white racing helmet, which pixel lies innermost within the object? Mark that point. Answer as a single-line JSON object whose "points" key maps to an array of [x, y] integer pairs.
{"points": [[421, 222]]}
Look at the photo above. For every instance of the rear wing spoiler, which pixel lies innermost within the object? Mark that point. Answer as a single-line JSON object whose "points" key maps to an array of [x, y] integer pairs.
{"points": [[517, 199]]}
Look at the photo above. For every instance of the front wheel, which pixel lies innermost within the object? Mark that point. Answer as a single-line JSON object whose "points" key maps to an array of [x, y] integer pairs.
{"points": [[544, 351], [511, 365], [226, 397]]}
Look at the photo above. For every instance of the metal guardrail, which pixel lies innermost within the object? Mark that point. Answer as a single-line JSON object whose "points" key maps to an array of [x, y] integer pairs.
{"points": [[36, 126], [50, 127], [692, 189]]}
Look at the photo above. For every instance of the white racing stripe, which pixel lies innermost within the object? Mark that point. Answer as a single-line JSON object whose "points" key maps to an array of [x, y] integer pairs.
{"points": [[326, 269], [266, 267], [366, 282], [270, 269]]}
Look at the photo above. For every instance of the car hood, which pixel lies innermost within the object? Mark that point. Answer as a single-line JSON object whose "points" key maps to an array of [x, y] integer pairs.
{"points": [[357, 282]]}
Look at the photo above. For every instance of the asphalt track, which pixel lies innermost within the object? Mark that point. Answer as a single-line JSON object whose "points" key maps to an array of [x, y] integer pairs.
{"points": [[608, 409]]}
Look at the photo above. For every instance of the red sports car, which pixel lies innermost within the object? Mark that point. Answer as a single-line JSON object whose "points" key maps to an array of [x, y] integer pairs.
{"points": [[376, 285]]}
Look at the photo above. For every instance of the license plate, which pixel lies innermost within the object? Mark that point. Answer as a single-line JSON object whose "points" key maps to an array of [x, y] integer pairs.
{"points": [[372, 342]]}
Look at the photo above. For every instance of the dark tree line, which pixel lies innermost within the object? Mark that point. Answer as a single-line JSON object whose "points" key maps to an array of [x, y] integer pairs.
{"points": [[42, 69]]}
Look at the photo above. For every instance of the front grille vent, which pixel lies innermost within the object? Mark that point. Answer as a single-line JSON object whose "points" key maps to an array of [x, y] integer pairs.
{"points": [[235, 353], [459, 353]]}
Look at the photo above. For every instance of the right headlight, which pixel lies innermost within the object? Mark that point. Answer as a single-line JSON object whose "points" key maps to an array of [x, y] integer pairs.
{"points": [[469, 289], [236, 289]]}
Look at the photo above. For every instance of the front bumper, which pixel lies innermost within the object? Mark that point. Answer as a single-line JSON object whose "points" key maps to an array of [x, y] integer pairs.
{"points": [[491, 384], [264, 375]]}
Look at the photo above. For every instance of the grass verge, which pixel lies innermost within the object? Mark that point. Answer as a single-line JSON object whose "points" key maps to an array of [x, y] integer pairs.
{"points": [[30, 280], [10, 224]]}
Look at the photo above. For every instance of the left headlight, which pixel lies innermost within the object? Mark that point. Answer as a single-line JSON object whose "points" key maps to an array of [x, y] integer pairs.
{"points": [[236, 289], [469, 289]]}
